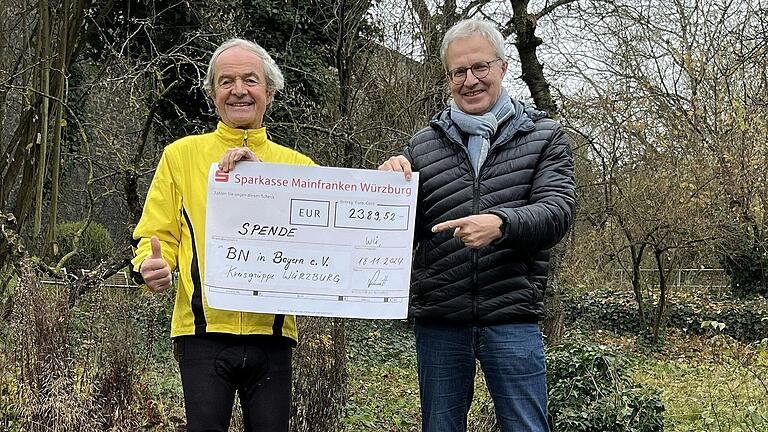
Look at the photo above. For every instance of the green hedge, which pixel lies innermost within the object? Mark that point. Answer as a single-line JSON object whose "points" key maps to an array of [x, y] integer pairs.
{"points": [[589, 391], [746, 319]]}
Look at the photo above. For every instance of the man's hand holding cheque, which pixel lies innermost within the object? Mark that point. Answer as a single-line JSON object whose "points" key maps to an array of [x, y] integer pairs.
{"points": [[397, 163]]}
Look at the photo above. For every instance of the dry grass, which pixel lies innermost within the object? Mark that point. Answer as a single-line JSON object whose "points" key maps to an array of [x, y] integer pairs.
{"points": [[106, 364]]}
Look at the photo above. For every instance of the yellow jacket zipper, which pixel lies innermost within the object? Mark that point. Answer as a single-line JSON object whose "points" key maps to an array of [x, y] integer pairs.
{"points": [[245, 144]]}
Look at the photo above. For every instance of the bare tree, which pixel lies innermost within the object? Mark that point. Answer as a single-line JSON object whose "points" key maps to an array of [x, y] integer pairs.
{"points": [[40, 96], [663, 109]]}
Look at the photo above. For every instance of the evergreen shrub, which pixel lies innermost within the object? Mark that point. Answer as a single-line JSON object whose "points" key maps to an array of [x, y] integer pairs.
{"points": [[95, 245], [747, 266], [589, 391]]}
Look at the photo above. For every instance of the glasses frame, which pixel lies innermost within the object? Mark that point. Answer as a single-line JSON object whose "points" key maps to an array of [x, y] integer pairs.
{"points": [[451, 74], [247, 82]]}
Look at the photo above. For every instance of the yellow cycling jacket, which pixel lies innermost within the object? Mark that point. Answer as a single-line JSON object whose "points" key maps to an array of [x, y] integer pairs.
{"points": [[175, 212]]}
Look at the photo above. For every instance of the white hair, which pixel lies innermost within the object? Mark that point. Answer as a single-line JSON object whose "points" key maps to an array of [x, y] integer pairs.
{"points": [[275, 80], [467, 28]]}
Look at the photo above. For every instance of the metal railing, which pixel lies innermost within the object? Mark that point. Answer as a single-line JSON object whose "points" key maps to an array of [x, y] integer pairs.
{"points": [[694, 278], [121, 279]]}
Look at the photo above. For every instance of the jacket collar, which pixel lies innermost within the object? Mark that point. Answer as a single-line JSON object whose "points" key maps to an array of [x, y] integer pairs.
{"points": [[522, 121], [233, 137]]}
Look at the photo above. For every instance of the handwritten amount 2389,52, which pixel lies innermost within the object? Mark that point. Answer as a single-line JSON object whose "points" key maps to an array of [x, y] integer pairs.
{"points": [[374, 215]]}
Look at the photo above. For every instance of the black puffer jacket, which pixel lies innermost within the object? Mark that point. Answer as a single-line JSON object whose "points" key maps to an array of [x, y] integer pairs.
{"points": [[527, 180]]}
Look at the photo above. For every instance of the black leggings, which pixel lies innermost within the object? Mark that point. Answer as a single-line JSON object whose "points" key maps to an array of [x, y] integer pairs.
{"points": [[214, 366]]}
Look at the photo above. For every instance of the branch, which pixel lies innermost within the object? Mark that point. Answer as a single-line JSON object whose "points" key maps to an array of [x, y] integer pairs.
{"points": [[148, 124], [549, 8], [474, 4], [93, 278]]}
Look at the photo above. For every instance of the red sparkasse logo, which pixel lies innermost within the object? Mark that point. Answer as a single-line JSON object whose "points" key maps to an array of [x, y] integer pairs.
{"points": [[221, 176]]}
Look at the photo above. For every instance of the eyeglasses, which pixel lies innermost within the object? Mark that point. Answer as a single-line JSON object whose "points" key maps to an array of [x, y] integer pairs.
{"points": [[229, 83], [480, 70]]}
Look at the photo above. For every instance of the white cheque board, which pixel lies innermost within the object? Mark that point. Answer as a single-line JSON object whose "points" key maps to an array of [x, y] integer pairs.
{"points": [[287, 239]]}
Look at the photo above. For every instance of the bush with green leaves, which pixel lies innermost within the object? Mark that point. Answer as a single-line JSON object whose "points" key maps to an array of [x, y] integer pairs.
{"points": [[746, 320], [604, 309], [95, 245], [747, 266], [589, 391]]}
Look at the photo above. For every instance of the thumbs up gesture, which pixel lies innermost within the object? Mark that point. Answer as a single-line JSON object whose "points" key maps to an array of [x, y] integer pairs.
{"points": [[154, 270]]}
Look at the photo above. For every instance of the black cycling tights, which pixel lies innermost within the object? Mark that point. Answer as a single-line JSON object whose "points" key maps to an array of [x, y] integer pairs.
{"points": [[214, 366]]}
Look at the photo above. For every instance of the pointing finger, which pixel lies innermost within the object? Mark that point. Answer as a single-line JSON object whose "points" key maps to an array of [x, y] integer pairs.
{"points": [[444, 226], [440, 227]]}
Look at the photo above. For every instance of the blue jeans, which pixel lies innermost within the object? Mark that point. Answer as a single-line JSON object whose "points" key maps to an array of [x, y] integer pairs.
{"points": [[512, 359]]}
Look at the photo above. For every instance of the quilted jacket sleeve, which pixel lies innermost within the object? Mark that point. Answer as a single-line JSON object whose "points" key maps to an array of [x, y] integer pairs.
{"points": [[544, 221]]}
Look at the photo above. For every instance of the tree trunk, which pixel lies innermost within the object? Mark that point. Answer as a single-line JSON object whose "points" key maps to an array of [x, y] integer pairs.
{"points": [[524, 28], [61, 84], [552, 326], [661, 307], [637, 258], [432, 28], [44, 53]]}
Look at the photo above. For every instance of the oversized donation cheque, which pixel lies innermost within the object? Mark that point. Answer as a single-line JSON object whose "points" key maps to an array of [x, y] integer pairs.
{"points": [[287, 239]]}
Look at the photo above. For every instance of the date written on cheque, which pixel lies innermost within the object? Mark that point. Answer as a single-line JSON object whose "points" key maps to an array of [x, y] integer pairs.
{"points": [[380, 262]]}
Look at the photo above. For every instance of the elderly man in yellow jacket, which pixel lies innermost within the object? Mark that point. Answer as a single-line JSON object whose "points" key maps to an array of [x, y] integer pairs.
{"points": [[220, 352]]}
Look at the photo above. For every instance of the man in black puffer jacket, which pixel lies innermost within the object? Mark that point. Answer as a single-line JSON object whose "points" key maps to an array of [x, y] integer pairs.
{"points": [[496, 192]]}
